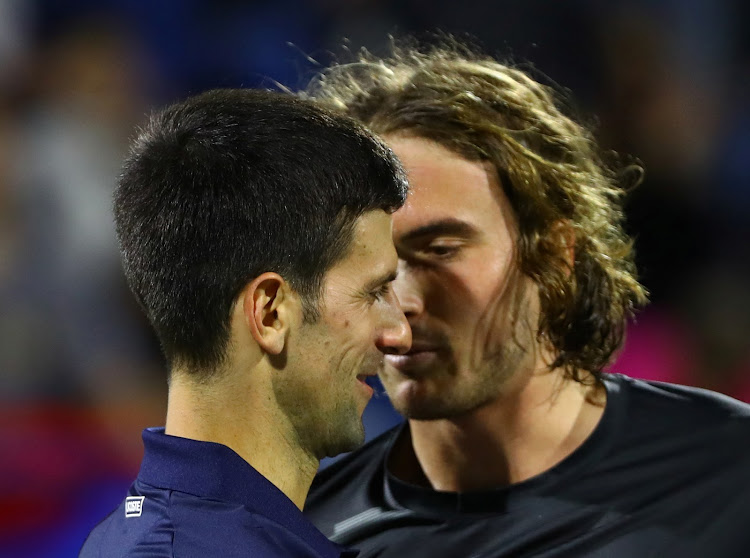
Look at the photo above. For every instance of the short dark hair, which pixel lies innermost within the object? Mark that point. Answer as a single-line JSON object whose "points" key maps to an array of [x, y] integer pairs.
{"points": [[233, 183], [549, 165]]}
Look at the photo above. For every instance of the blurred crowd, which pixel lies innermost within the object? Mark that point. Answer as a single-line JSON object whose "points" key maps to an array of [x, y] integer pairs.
{"points": [[666, 81]]}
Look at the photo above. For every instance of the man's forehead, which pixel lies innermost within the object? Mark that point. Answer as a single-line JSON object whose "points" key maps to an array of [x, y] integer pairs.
{"points": [[458, 215], [445, 188], [369, 229], [372, 243]]}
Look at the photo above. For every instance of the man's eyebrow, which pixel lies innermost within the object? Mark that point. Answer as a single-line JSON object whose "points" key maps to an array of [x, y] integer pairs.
{"points": [[448, 226], [382, 280]]}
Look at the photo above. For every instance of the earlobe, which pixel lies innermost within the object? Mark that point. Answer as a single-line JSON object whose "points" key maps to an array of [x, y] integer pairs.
{"points": [[266, 302]]}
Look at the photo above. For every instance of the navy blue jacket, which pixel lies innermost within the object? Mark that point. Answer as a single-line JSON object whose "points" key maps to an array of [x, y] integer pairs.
{"points": [[198, 499]]}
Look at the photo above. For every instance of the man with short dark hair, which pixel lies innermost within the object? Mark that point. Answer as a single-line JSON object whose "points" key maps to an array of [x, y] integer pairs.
{"points": [[517, 279], [255, 231]]}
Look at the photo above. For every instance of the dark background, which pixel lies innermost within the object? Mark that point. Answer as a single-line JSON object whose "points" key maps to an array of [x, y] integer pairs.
{"points": [[667, 81]]}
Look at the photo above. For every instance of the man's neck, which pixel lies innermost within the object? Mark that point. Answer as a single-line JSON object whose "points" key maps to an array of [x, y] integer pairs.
{"points": [[515, 437], [242, 420]]}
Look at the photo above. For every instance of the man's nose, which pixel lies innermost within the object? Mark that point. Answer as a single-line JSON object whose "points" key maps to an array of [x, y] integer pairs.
{"points": [[395, 337], [408, 293]]}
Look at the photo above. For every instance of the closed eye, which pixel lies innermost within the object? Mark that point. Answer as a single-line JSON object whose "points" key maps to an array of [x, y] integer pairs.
{"points": [[381, 292], [439, 241], [442, 250], [380, 287]]}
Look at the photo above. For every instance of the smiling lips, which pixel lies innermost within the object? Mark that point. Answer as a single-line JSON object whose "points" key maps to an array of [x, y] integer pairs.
{"points": [[361, 379], [420, 355]]}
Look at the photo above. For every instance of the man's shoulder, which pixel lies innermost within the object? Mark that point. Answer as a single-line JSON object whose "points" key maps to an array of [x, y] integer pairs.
{"points": [[94, 545], [677, 405], [140, 521], [671, 422], [681, 394], [211, 528], [170, 523], [350, 485]]}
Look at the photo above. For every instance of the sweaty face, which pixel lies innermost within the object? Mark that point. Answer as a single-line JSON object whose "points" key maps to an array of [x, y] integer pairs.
{"points": [[360, 321], [471, 312]]}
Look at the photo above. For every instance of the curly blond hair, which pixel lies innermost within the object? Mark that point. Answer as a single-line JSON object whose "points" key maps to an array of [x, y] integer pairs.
{"points": [[550, 167]]}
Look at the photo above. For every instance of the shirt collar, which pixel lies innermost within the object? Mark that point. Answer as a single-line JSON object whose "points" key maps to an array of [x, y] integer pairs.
{"points": [[211, 470], [401, 494]]}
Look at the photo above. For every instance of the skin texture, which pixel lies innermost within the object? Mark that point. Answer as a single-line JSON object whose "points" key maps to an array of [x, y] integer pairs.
{"points": [[471, 312], [290, 392], [360, 322], [484, 408]]}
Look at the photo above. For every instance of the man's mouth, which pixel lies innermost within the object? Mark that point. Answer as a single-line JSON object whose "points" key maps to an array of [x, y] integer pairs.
{"points": [[420, 355], [364, 384]]}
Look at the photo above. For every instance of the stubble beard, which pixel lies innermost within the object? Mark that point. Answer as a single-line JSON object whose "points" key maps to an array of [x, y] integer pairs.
{"points": [[345, 431], [323, 423], [327, 432], [459, 398], [490, 369]]}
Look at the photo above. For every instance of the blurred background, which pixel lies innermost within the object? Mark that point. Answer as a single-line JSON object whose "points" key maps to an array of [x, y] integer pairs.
{"points": [[80, 373]]}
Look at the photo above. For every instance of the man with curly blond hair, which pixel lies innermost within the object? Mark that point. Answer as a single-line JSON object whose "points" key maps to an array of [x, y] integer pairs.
{"points": [[517, 279]]}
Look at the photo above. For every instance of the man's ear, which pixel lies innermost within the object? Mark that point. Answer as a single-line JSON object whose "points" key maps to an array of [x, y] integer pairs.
{"points": [[270, 308]]}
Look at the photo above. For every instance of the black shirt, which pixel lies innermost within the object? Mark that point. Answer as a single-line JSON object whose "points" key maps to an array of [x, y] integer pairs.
{"points": [[200, 499], [666, 472]]}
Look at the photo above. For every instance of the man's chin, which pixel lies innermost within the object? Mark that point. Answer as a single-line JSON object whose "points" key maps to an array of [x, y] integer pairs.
{"points": [[413, 405], [416, 401], [425, 412], [344, 440], [414, 398]]}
